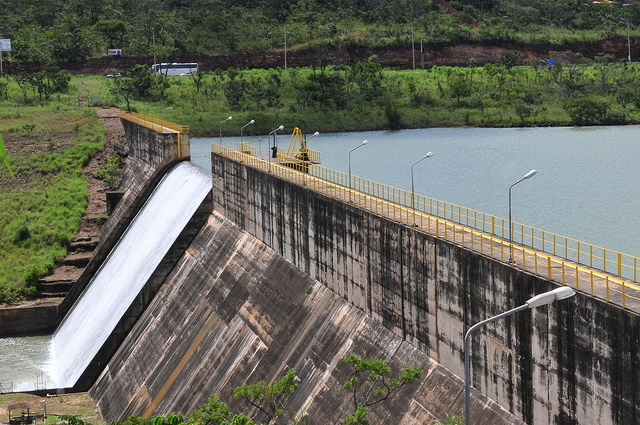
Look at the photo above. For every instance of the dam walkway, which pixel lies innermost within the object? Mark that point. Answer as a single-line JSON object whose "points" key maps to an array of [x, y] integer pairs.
{"points": [[601, 273]]}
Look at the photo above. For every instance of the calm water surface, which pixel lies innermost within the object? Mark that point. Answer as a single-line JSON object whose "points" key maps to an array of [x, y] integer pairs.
{"points": [[587, 186]]}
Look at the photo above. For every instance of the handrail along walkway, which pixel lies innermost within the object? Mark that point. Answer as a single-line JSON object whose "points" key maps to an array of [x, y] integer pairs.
{"points": [[480, 232], [156, 124]]}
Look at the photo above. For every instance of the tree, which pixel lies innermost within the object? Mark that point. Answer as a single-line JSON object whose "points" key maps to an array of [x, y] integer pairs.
{"points": [[126, 88], [214, 412], [509, 58], [239, 419], [586, 110], [523, 111], [373, 373], [113, 30], [268, 398], [460, 86]]}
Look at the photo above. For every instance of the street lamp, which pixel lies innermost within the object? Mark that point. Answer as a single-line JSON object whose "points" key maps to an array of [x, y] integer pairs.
{"points": [[526, 176], [428, 155], [364, 143], [313, 135], [628, 42], [537, 301], [275, 135], [224, 120], [242, 128]]}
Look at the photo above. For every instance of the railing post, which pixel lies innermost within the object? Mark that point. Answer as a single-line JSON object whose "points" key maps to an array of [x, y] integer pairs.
{"points": [[549, 266], [619, 264]]}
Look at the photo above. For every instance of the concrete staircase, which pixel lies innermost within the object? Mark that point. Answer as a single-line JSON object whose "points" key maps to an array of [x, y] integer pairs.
{"points": [[58, 284]]}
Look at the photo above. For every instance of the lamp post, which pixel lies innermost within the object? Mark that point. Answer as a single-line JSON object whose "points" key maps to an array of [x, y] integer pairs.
{"points": [[242, 128], [526, 176], [275, 135], [313, 135], [628, 42], [428, 155], [224, 120], [537, 301], [364, 143]]}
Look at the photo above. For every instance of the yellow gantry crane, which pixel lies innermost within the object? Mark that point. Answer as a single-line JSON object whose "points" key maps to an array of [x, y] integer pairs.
{"points": [[300, 157]]}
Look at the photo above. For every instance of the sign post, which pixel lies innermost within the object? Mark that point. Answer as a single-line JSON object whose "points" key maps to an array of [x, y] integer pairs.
{"points": [[5, 46]]}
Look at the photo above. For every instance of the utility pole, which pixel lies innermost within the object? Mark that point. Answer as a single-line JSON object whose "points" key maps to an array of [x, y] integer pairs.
{"points": [[413, 50], [153, 35], [285, 47]]}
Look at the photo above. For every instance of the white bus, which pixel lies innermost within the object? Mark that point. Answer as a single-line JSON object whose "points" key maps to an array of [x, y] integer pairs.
{"points": [[175, 68]]}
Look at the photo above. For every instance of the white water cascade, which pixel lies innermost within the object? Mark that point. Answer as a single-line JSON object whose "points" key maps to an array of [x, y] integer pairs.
{"points": [[123, 274]]}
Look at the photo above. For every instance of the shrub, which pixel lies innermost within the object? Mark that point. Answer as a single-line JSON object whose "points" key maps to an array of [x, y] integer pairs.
{"points": [[21, 235]]}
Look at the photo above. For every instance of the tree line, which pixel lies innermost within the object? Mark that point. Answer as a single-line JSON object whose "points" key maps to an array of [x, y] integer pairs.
{"points": [[75, 30]]}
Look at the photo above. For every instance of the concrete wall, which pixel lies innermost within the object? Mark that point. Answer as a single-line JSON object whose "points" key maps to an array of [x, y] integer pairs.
{"points": [[153, 147], [234, 311], [574, 362], [36, 320]]}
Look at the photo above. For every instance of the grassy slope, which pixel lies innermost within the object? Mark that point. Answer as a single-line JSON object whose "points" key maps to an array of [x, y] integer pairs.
{"points": [[40, 210]]}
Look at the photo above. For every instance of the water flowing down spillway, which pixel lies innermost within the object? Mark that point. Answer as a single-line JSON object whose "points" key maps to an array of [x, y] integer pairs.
{"points": [[123, 274]]}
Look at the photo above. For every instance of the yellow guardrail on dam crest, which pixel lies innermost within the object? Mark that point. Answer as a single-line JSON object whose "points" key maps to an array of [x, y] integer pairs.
{"points": [[607, 274], [156, 124]]}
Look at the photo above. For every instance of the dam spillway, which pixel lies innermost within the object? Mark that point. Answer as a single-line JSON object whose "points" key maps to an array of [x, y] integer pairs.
{"points": [[123, 274]]}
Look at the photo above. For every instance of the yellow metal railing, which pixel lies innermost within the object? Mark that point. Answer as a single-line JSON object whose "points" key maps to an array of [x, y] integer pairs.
{"points": [[158, 125], [477, 231], [153, 123], [593, 256], [247, 148]]}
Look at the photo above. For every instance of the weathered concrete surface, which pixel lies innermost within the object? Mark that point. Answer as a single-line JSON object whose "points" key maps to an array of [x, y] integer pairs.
{"points": [[155, 147], [575, 362], [28, 320], [233, 311]]}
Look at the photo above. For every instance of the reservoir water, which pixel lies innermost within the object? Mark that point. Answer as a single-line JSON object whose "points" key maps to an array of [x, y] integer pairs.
{"points": [[587, 186]]}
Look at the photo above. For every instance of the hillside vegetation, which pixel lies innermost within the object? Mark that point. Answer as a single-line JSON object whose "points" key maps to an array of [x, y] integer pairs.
{"points": [[74, 30]]}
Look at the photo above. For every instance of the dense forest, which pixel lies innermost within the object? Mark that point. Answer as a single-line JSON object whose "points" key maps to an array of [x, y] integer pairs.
{"points": [[76, 30]]}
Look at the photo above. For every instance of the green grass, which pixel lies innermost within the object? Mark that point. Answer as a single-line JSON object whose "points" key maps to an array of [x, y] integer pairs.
{"points": [[40, 210]]}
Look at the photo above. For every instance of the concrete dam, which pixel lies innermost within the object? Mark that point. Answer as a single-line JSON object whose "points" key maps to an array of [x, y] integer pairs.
{"points": [[270, 275]]}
